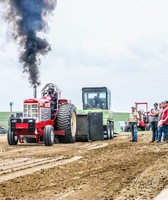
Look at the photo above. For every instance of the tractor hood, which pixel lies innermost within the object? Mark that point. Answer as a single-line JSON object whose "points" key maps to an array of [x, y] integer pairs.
{"points": [[30, 101], [41, 102]]}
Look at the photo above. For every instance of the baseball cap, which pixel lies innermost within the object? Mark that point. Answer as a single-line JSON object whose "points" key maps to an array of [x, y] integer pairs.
{"points": [[133, 107]]}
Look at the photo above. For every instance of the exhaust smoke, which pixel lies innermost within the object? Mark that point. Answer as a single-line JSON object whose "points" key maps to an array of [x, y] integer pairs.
{"points": [[28, 19]]}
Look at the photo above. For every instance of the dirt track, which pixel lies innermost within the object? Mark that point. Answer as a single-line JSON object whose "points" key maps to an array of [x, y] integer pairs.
{"points": [[110, 169]]}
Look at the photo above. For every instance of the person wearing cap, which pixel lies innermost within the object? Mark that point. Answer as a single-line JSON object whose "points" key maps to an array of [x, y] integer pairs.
{"points": [[164, 121], [154, 114], [133, 122]]}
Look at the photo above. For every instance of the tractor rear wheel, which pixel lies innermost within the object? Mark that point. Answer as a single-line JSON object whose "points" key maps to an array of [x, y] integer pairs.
{"points": [[49, 136], [12, 138], [66, 120]]}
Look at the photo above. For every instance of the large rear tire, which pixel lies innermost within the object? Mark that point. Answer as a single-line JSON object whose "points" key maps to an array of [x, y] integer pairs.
{"points": [[49, 136], [12, 138], [66, 120]]}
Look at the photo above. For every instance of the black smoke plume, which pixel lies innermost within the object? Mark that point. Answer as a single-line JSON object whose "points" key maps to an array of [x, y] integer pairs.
{"points": [[28, 19]]}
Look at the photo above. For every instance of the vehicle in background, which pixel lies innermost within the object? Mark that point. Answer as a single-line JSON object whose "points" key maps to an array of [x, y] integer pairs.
{"points": [[96, 102], [144, 123], [3, 130]]}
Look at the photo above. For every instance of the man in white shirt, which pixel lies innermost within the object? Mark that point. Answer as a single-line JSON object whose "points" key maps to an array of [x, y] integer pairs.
{"points": [[133, 121]]}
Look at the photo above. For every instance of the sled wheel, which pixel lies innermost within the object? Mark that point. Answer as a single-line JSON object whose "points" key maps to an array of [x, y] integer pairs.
{"points": [[108, 130], [66, 120], [49, 136], [12, 138], [112, 130]]}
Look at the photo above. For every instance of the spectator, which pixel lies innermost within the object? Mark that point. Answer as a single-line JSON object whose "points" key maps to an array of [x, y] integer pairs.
{"points": [[164, 120], [154, 113], [133, 121], [160, 127], [11, 117]]}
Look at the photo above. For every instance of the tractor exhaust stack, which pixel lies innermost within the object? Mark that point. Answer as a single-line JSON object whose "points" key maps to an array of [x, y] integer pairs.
{"points": [[35, 91]]}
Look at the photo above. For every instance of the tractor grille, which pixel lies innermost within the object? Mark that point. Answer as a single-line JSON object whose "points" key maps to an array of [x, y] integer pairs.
{"points": [[30, 110]]}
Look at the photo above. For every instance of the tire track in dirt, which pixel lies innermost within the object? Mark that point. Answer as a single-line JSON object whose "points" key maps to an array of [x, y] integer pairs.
{"points": [[20, 164], [2, 149], [91, 146], [22, 167], [12, 166]]}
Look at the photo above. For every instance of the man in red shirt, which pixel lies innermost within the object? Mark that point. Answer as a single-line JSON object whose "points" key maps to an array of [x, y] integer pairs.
{"points": [[164, 120]]}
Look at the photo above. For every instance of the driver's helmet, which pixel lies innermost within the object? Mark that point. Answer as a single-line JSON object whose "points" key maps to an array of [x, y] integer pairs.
{"points": [[51, 88]]}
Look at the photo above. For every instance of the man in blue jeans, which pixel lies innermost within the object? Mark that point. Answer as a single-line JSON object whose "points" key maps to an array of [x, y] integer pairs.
{"points": [[160, 126], [133, 121], [164, 120], [154, 113]]}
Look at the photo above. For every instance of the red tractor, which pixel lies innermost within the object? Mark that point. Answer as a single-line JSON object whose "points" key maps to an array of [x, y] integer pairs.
{"points": [[44, 122], [144, 118]]}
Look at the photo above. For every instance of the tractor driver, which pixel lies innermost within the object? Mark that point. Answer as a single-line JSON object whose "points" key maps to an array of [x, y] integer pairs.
{"points": [[54, 97]]}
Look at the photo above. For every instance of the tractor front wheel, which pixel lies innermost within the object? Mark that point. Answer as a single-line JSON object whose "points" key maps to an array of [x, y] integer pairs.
{"points": [[12, 138], [49, 136]]}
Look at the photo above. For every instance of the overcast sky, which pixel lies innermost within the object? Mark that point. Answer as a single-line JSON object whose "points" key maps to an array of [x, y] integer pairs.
{"points": [[121, 44]]}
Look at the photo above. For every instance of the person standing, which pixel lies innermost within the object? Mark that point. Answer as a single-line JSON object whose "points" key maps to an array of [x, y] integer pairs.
{"points": [[160, 127], [154, 113], [133, 122], [164, 120]]}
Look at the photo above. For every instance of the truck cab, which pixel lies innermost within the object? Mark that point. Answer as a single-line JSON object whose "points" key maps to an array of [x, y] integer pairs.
{"points": [[96, 98]]}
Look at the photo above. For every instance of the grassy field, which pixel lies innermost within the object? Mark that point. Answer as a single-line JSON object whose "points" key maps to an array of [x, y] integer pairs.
{"points": [[119, 116], [4, 117]]}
